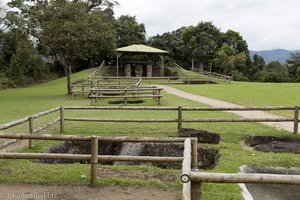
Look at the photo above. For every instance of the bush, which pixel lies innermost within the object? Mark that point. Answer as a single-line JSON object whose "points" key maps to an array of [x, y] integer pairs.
{"points": [[238, 76], [6, 83]]}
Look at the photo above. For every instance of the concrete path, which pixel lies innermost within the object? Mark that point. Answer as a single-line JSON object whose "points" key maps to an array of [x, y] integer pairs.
{"points": [[288, 126]]}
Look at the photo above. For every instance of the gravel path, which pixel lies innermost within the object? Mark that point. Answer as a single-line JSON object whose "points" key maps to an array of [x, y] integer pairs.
{"points": [[288, 126]]}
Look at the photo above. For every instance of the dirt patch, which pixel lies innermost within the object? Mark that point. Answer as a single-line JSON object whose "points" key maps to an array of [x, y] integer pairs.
{"points": [[202, 135], [279, 147], [83, 147], [274, 144], [207, 157], [83, 192], [257, 140]]}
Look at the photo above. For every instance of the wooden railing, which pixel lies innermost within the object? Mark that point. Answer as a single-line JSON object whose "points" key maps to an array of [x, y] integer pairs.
{"points": [[180, 120], [87, 85], [191, 177], [213, 74], [126, 93], [92, 75]]}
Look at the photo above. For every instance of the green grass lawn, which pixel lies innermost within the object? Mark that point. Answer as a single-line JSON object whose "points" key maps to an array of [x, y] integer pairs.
{"points": [[18, 103], [250, 94]]}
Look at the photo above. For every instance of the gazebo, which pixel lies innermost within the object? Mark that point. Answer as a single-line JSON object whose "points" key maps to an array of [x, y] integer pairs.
{"points": [[140, 66]]}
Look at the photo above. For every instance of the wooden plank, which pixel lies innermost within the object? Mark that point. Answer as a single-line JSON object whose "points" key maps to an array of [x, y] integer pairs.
{"points": [[50, 156], [121, 120], [13, 123], [238, 120], [44, 126], [87, 138], [128, 96], [140, 158], [121, 108], [40, 114], [245, 178], [237, 108]]}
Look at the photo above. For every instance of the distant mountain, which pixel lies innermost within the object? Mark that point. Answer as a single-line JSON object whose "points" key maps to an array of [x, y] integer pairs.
{"points": [[277, 54]]}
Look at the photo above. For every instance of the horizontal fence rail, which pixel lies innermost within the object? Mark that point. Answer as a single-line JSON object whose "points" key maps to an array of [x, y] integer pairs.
{"points": [[180, 119], [245, 178]]}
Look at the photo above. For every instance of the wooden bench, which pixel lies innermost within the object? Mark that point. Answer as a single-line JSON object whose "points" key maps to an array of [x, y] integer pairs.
{"points": [[126, 93]]}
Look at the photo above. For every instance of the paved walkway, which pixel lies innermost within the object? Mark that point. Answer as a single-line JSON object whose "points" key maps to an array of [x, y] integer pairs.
{"points": [[288, 126]]}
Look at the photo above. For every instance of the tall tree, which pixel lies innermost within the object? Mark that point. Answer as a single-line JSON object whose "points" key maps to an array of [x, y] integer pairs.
{"points": [[201, 40], [69, 30], [293, 64], [171, 42], [256, 68], [129, 31], [276, 72], [235, 41]]}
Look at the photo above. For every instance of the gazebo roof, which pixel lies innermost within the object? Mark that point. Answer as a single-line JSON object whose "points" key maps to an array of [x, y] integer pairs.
{"points": [[140, 48]]}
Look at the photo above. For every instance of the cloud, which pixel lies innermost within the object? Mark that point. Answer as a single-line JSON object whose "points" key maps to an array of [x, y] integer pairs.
{"points": [[266, 24]]}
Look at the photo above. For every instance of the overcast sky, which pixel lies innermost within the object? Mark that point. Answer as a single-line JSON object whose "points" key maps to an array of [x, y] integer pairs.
{"points": [[265, 24]]}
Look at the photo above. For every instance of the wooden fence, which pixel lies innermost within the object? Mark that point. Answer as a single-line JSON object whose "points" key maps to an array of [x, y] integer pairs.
{"points": [[84, 87], [179, 119], [191, 178], [126, 93], [92, 75], [94, 158]]}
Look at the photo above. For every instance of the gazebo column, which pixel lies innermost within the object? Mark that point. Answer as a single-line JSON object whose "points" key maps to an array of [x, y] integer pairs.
{"points": [[162, 64]]}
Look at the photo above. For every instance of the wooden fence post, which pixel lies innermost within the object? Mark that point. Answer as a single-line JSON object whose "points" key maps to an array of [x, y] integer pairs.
{"points": [[94, 159], [196, 187], [179, 118], [125, 99], [296, 119], [194, 153], [158, 98], [30, 120], [62, 119]]}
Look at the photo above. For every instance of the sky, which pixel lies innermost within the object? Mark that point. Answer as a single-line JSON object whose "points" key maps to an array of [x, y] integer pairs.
{"points": [[264, 24]]}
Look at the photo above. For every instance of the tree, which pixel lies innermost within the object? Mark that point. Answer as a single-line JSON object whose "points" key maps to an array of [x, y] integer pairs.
{"points": [[229, 62], [26, 66], [293, 65], [258, 65], [203, 39], [69, 30], [276, 72], [235, 41], [171, 42], [129, 31]]}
